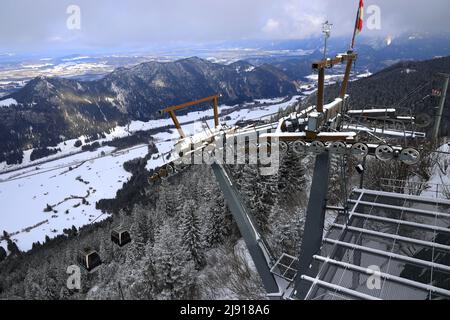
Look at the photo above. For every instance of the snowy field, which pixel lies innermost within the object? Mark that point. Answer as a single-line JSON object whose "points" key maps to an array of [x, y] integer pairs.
{"points": [[7, 102], [72, 194], [67, 147], [25, 198]]}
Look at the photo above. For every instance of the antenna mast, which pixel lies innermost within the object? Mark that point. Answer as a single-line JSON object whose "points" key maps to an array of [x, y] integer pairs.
{"points": [[326, 29]]}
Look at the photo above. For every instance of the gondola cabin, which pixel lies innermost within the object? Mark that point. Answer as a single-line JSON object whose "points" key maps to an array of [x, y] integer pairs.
{"points": [[89, 259], [121, 237]]}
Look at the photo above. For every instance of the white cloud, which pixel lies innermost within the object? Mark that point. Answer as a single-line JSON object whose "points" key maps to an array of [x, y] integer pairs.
{"points": [[271, 26], [55, 39], [30, 24], [295, 19]]}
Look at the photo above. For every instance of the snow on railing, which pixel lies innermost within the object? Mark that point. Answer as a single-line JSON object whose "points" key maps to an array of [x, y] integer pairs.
{"points": [[434, 190]]}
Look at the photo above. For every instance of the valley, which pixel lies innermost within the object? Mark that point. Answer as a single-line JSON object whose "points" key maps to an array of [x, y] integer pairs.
{"points": [[42, 198]]}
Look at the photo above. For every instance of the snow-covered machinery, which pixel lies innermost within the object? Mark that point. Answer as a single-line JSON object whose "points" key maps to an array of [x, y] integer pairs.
{"points": [[188, 146], [327, 126]]}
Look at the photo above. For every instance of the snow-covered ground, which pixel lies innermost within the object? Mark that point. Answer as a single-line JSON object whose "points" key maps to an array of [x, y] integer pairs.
{"points": [[24, 198], [26, 192], [329, 77], [7, 102], [67, 147], [439, 183], [364, 75], [260, 112]]}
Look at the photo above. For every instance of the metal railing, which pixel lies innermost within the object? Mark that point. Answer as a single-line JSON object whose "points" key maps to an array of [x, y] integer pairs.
{"points": [[434, 190]]}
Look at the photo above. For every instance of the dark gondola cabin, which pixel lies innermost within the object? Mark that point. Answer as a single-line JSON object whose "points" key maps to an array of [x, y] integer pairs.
{"points": [[121, 237], [89, 259]]}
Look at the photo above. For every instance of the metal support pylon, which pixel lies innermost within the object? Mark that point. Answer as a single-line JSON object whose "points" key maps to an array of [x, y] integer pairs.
{"points": [[314, 226], [440, 111], [253, 239]]}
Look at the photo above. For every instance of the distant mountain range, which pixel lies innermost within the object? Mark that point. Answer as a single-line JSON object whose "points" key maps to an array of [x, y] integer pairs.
{"points": [[48, 110], [374, 54]]}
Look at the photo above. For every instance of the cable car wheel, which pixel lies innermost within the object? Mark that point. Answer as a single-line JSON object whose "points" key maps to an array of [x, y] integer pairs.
{"points": [[384, 152], [163, 174], [284, 147], [338, 147], [179, 166], [359, 150], [299, 147], [316, 147], [153, 178], [170, 168], [423, 120], [409, 156]]}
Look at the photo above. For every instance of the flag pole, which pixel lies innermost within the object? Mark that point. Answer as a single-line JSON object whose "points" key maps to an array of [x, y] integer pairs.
{"points": [[354, 36], [354, 31], [357, 22]]}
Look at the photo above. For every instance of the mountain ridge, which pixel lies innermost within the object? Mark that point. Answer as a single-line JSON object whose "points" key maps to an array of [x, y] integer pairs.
{"points": [[49, 108]]}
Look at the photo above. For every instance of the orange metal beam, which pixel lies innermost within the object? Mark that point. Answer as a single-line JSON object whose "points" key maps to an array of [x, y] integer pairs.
{"points": [[171, 111], [320, 90], [216, 111], [177, 124], [328, 63], [189, 104], [348, 69]]}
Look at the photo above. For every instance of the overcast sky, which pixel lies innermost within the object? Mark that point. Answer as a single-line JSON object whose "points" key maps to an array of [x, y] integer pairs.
{"points": [[42, 24]]}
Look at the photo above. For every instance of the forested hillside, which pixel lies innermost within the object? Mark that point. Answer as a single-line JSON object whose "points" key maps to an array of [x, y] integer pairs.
{"points": [[390, 87], [49, 110], [185, 244]]}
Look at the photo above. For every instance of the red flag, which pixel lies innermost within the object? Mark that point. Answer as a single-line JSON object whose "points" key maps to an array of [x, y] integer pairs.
{"points": [[360, 17], [359, 21]]}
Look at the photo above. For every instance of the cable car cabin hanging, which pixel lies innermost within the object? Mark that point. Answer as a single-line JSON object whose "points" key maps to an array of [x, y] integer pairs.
{"points": [[89, 259], [120, 236]]}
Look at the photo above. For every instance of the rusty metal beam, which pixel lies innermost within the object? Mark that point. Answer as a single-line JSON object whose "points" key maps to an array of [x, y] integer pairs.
{"points": [[177, 124], [320, 90], [171, 111], [216, 111], [189, 104], [329, 63], [348, 69]]}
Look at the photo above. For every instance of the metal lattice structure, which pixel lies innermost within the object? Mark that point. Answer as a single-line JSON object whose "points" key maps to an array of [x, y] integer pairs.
{"points": [[401, 241]]}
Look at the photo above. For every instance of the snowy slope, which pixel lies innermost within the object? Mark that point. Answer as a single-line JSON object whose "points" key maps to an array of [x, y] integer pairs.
{"points": [[439, 183], [67, 147], [7, 102], [25, 192], [167, 140], [25, 198]]}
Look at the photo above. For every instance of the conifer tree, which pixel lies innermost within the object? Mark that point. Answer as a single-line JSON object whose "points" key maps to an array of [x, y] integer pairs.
{"points": [[191, 235], [173, 269]]}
